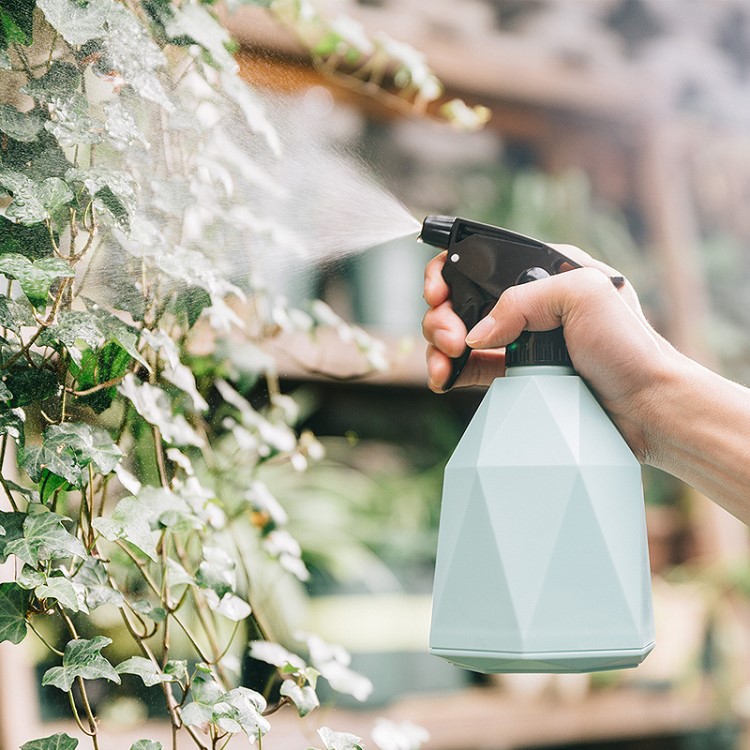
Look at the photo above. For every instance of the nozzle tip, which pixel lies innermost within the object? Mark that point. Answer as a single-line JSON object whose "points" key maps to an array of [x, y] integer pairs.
{"points": [[436, 231]]}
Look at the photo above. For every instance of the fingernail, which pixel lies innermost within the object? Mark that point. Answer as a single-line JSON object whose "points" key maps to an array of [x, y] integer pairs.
{"points": [[618, 281], [481, 330]]}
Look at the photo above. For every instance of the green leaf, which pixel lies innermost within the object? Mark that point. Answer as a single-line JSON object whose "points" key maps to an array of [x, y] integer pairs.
{"points": [[12, 526], [59, 82], [153, 404], [240, 710], [88, 445], [230, 606], [35, 278], [304, 698], [32, 241], [112, 189], [83, 659], [144, 668], [114, 329], [72, 327], [29, 578], [14, 603], [129, 524], [72, 123], [22, 13], [62, 590], [11, 423], [216, 571], [75, 22], [45, 538], [33, 202], [11, 32], [101, 366], [92, 575], [39, 462], [205, 692], [59, 741], [146, 745], [129, 50], [30, 385], [19, 125], [177, 668]]}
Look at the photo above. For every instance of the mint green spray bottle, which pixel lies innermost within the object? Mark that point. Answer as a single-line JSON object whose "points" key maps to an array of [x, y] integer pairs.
{"points": [[542, 558]]}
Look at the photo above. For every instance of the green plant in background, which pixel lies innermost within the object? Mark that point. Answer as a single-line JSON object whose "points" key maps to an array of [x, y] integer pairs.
{"points": [[124, 355]]}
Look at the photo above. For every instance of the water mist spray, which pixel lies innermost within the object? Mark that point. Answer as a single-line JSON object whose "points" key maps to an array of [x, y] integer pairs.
{"points": [[542, 559]]}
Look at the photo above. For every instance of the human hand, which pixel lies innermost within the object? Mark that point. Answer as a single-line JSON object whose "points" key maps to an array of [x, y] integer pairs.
{"points": [[612, 345]]}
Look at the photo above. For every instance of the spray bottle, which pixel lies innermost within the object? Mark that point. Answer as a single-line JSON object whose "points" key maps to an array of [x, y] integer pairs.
{"points": [[542, 558]]}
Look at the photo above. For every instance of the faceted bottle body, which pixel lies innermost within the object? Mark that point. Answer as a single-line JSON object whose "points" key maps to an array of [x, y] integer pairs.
{"points": [[542, 561]]}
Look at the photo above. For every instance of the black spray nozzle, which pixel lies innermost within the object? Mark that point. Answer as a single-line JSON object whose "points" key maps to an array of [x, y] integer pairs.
{"points": [[481, 263], [436, 231]]}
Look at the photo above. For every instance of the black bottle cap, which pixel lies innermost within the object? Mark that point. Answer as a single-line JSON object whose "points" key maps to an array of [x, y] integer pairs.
{"points": [[436, 231], [538, 348]]}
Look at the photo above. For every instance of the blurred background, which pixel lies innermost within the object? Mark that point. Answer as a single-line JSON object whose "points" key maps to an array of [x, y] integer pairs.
{"points": [[621, 126]]}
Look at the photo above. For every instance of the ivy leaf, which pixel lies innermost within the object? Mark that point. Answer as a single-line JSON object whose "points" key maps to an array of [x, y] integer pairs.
{"points": [[114, 329], [196, 22], [216, 571], [88, 445], [240, 710], [45, 538], [76, 23], [83, 659], [72, 123], [146, 745], [20, 126], [11, 524], [61, 81], [72, 327], [113, 191], [29, 578], [42, 465], [35, 278], [152, 403], [59, 741], [130, 51], [11, 423], [177, 668], [230, 606], [22, 14], [339, 740], [145, 669], [11, 33], [14, 603], [304, 698], [62, 590], [121, 128], [32, 241], [30, 385], [33, 202], [128, 523], [92, 575], [205, 692]]}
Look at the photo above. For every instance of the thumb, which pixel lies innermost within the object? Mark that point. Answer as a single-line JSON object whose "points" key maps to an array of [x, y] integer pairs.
{"points": [[539, 306]]}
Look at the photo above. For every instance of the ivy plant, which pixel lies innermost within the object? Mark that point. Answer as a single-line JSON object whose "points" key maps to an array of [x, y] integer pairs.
{"points": [[134, 389]]}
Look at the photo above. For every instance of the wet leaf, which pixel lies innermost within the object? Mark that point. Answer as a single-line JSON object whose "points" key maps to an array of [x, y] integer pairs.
{"points": [[11, 423], [11, 524], [87, 444], [59, 82], [92, 575], [72, 123], [33, 202], [19, 125], [75, 22], [82, 659], [30, 385]]}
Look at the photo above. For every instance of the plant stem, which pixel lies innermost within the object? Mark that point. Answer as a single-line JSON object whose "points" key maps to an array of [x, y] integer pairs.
{"points": [[44, 640]]}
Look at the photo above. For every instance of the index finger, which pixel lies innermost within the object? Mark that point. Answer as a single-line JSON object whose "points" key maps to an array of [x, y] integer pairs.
{"points": [[435, 289]]}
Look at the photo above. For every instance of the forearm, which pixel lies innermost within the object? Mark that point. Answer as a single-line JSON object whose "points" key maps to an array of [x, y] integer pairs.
{"points": [[700, 432]]}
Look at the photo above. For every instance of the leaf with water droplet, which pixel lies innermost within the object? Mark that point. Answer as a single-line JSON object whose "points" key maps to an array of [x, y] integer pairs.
{"points": [[86, 444], [72, 122], [21, 126], [92, 576], [45, 538], [59, 82], [77, 23], [12, 525], [196, 22], [33, 202]]}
